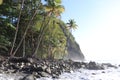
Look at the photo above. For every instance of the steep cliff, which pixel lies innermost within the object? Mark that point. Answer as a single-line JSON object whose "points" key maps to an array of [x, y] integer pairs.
{"points": [[73, 49]]}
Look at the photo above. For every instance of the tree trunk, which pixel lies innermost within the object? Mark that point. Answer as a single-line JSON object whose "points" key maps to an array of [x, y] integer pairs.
{"points": [[26, 30], [24, 34], [11, 52], [24, 47], [40, 37]]}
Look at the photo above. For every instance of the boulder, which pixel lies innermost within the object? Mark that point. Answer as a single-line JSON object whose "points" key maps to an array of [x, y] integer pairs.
{"points": [[44, 74], [28, 77], [108, 65], [94, 66]]}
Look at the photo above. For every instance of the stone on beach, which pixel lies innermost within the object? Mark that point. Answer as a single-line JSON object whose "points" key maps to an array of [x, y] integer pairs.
{"points": [[37, 68]]}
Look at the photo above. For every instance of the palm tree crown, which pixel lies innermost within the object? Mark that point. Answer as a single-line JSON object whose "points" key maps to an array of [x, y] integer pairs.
{"points": [[54, 7], [72, 24]]}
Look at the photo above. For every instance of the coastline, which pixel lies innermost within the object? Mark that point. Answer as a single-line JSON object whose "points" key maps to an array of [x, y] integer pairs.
{"points": [[33, 68]]}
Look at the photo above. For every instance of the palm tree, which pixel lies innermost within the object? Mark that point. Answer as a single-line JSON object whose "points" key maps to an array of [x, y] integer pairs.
{"points": [[72, 25], [53, 9], [11, 52], [27, 26]]}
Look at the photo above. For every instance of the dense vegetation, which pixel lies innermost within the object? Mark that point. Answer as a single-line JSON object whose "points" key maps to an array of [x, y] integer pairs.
{"points": [[33, 28]]}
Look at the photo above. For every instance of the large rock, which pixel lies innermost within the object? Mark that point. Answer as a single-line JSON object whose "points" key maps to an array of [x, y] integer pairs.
{"points": [[28, 77]]}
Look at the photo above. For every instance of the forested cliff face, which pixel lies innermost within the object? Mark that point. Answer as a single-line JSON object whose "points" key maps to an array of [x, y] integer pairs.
{"points": [[34, 28], [73, 49]]}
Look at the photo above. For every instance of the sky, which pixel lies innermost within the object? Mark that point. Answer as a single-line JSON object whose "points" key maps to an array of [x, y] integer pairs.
{"points": [[98, 32]]}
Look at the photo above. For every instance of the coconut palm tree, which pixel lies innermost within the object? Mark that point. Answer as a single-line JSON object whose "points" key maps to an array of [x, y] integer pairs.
{"points": [[53, 9], [72, 25], [11, 52], [22, 10]]}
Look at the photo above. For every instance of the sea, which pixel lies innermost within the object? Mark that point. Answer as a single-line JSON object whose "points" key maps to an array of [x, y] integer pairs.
{"points": [[85, 74]]}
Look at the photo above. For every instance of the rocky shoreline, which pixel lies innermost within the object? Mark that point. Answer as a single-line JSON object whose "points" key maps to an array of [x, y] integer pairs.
{"points": [[33, 68]]}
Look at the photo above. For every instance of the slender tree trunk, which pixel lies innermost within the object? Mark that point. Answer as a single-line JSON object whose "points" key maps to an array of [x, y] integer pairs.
{"points": [[24, 47], [49, 52], [11, 52], [32, 43], [63, 29], [65, 33], [38, 42], [25, 31], [40, 36]]}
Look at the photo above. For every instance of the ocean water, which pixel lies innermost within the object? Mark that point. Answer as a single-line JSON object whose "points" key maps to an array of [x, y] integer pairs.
{"points": [[84, 74]]}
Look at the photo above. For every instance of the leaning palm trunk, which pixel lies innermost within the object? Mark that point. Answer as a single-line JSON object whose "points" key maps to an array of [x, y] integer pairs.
{"points": [[63, 29], [11, 52], [40, 36], [65, 33], [40, 31], [24, 35]]}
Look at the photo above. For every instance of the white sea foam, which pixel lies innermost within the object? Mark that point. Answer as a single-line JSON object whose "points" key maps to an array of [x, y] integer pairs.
{"points": [[84, 74], [81, 74]]}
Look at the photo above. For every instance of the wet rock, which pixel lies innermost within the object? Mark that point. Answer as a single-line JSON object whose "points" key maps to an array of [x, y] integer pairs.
{"points": [[93, 73], [103, 71], [28, 77], [94, 66], [18, 59], [44, 67], [108, 65], [44, 74], [119, 65], [55, 76], [91, 65], [48, 70], [77, 64]]}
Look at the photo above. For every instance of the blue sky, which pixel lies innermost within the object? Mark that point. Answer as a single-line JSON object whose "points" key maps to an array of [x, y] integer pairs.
{"points": [[98, 33]]}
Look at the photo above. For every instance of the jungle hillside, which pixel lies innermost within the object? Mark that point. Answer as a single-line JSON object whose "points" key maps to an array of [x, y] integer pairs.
{"points": [[34, 28]]}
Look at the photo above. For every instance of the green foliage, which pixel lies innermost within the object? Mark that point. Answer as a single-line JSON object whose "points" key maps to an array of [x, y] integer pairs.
{"points": [[54, 40], [38, 23], [54, 7], [4, 43]]}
